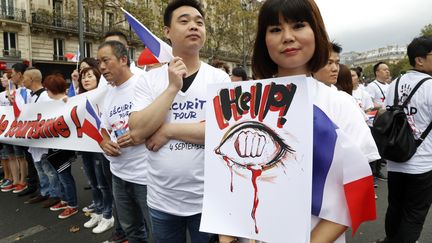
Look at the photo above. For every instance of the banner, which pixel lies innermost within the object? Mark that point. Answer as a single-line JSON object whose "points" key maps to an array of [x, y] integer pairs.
{"points": [[52, 124], [258, 163]]}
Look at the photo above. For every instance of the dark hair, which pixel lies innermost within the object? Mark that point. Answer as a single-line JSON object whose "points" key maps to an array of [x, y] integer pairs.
{"points": [[173, 5], [116, 33], [291, 10], [357, 71], [119, 50], [419, 47], [55, 83], [19, 67], [344, 80], [219, 64], [92, 62], [336, 47], [240, 72], [96, 73], [376, 66]]}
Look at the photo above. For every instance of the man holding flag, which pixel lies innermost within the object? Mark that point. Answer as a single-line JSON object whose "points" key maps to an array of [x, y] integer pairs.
{"points": [[175, 193]]}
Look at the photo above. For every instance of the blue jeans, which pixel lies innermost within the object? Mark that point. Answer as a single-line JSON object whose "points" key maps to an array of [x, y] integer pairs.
{"points": [[101, 193], [69, 188], [168, 228], [131, 202], [48, 179]]}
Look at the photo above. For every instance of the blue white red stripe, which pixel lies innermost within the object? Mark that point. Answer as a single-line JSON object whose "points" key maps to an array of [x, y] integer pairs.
{"points": [[92, 123], [342, 184], [161, 50]]}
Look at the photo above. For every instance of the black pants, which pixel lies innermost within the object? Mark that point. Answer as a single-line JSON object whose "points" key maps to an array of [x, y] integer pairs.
{"points": [[409, 200], [32, 177]]}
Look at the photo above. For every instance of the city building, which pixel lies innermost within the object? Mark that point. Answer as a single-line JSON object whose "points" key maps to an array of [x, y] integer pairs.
{"points": [[390, 54], [41, 33]]}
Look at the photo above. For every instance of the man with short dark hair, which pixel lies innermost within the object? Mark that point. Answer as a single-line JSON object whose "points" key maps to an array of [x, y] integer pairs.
{"points": [[410, 183], [174, 136], [378, 88], [128, 161], [329, 73]]}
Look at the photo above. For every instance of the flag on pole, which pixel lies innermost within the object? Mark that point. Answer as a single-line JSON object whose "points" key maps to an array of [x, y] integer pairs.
{"points": [[76, 58], [92, 123], [21, 98], [10, 85], [71, 90], [161, 50], [342, 184]]}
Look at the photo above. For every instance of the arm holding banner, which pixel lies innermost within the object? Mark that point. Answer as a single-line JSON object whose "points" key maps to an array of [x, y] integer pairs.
{"points": [[155, 113], [187, 132]]}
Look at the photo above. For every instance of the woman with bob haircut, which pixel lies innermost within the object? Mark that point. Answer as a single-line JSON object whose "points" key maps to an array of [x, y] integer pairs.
{"points": [[292, 40]]}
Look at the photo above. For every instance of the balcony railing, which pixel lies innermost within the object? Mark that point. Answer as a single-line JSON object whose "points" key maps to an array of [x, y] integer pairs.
{"points": [[15, 14], [55, 22], [12, 53], [59, 58]]}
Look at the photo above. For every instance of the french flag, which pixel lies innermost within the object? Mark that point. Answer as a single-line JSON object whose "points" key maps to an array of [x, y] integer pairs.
{"points": [[161, 50], [10, 85], [342, 184], [71, 90], [21, 98], [92, 123]]}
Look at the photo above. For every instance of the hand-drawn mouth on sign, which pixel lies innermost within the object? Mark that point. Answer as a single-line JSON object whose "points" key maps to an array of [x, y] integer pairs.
{"points": [[255, 147]]}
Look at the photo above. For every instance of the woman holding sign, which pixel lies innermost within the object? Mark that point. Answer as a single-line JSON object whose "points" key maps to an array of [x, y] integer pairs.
{"points": [[292, 40]]}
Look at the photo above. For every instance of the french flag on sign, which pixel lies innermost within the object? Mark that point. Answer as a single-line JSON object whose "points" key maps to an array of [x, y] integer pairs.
{"points": [[21, 98], [342, 184], [161, 50], [92, 123]]}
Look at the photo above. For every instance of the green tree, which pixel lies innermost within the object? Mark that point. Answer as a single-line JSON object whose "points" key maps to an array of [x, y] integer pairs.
{"points": [[400, 67], [427, 30]]}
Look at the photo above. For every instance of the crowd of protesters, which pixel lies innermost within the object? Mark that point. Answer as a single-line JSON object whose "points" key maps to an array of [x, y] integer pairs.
{"points": [[140, 187]]}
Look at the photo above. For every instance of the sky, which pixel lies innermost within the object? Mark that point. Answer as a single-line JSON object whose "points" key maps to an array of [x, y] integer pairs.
{"points": [[361, 25]]}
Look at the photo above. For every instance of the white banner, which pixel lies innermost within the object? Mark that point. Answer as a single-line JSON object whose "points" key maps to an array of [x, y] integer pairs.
{"points": [[53, 124], [258, 163]]}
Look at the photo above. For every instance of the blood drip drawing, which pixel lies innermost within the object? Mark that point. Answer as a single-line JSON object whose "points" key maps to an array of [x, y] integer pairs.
{"points": [[254, 147]]}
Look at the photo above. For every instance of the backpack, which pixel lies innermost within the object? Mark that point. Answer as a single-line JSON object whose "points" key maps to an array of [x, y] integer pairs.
{"points": [[393, 134]]}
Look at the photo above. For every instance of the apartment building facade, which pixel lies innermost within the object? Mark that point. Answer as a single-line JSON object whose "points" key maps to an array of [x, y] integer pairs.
{"points": [[41, 32]]}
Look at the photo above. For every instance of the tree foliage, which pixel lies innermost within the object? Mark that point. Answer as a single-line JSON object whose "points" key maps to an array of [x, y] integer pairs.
{"points": [[427, 30]]}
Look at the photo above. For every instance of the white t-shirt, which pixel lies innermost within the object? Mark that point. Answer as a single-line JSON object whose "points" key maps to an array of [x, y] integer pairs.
{"points": [[378, 91], [363, 98], [176, 171], [38, 152], [342, 109], [131, 165], [419, 114], [3, 100]]}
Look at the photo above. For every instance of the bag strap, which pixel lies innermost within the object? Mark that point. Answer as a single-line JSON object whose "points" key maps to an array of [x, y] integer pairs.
{"points": [[382, 93], [429, 127], [396, 94]]}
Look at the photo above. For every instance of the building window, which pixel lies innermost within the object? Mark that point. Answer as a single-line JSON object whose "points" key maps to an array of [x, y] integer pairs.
{"points": [[110, 17], [7, 7], [9, 40], [59, 49], [132, 53], [87, 49], [57, 12]]}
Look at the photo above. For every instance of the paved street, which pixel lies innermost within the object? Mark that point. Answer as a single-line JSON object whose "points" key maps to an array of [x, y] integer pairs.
{"points": [[32, 223]]}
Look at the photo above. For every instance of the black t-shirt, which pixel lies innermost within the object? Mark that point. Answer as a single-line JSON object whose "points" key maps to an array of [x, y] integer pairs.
{"points": [[187, 82]]}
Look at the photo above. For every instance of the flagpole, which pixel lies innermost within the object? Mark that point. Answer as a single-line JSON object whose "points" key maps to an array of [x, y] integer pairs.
{"points": [[80, 29]]}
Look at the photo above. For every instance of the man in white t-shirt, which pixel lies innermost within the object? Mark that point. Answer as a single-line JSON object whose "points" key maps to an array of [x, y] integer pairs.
{"points": [[410, 183], [378, 90], [169, 116], [50, 188], [128, 162], [329, 73]]}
